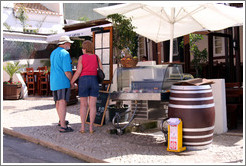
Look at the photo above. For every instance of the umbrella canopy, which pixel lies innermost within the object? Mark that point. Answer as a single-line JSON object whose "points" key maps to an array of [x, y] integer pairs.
{"points": [[165, 20]]}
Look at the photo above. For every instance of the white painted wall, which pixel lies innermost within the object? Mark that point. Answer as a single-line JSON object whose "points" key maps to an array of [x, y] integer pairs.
{"points": [[218, 89]]}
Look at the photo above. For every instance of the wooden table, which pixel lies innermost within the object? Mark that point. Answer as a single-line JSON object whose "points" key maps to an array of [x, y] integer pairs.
{"points": [[234, 92]]}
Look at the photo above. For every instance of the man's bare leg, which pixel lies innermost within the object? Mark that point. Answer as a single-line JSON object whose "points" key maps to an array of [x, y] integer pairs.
{"points": [[61, 111]]}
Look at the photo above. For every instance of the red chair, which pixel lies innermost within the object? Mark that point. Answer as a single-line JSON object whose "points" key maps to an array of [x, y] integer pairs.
{"points": [[30, 81], [43, 83]]}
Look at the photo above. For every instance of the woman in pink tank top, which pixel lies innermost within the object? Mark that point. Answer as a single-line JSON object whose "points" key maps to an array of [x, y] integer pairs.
{"points": [[88, 84]]}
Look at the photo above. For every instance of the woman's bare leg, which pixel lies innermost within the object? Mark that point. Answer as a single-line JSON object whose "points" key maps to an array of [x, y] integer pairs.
{"points": [[83, 111], [93, 110]]}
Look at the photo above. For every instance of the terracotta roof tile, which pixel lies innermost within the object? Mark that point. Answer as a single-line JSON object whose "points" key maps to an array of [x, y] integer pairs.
{"points": [[37, 8]]}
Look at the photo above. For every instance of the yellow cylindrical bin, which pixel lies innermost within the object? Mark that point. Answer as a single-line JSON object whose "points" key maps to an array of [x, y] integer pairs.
{"points": [[175, 140]]}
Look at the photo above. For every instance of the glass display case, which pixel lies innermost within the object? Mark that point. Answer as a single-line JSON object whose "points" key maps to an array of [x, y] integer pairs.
{"points": [[148, 79], [147, 87], [135, 83]]}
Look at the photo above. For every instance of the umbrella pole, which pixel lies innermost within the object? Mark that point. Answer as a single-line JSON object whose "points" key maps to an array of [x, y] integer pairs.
{"points": [[171, 51], [171, 35], [171, 44]]}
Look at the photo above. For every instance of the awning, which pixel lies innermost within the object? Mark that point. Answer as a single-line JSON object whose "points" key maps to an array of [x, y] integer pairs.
{"points": [[20, 37], [75, 33]]}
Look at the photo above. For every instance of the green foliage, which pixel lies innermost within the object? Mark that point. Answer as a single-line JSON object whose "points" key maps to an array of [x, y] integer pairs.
{"points": [[53, 32], [12, 68], [84, 18], [46, 63], [31, 30], [123, 34], [35, 30], [12, 83], [195, 38], [7, 26], [199, 56], [22, 16]]}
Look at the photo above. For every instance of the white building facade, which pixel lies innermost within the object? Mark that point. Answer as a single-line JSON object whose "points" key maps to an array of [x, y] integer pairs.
{"points": [[43, 18]]}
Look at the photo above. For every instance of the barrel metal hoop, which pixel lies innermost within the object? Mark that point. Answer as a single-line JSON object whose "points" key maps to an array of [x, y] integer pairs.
{"points": [[203, 91], [191, 87], [191, 99], [197, 143], [191, 106], [200, 136], [198, 129]]}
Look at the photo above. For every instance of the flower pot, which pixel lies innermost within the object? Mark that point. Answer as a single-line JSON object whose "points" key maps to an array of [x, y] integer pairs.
{"points": [[11, 91]]}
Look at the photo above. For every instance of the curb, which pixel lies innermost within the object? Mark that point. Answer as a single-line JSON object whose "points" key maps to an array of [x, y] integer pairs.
{"points": [[53, 146]]}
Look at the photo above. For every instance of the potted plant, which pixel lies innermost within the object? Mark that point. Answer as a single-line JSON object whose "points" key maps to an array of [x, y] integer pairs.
{"points": [[12, 89], [125, 40], [125, 47], [200, 57]]}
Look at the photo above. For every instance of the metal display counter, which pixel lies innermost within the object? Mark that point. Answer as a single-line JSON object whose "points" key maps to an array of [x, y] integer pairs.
{"points": [[147, 88]]}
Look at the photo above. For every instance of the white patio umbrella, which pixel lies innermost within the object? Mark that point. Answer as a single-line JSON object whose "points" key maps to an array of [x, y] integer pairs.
{"points": [[165, 20]]}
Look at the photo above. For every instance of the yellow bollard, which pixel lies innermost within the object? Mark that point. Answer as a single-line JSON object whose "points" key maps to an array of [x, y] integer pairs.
{"points": [[175, 137]]}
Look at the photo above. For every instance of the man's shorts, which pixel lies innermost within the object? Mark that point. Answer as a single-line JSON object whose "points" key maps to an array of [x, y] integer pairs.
{"points": [[62, 94], [88, 86]]}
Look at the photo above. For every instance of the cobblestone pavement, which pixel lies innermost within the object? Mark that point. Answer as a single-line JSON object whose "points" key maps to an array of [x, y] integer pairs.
{"points": [[36, 120]]}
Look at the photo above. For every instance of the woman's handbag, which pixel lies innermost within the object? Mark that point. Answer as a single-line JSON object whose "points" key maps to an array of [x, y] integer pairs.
{"points": [[100, 73]]}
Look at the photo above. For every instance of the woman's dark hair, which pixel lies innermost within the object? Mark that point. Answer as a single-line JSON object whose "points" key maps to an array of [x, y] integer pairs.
{"points": [[88, 45]]}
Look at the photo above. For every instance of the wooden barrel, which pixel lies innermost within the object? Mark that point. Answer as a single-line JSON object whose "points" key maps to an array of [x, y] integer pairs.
{"points": [[194, 105]]}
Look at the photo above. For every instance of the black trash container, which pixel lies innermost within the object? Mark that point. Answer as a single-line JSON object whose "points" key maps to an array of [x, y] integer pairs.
{"points": [[112, 111]]}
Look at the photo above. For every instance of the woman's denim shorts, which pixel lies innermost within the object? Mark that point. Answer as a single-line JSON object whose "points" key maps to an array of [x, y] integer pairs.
{"points": [[88, 86]]}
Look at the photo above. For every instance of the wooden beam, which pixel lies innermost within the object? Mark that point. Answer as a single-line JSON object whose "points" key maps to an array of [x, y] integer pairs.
{"points": [[237, 53], [210, 55], [186, 54], [85, 24], [159, 53], [166, 50], [231, 57], [206, 32]]}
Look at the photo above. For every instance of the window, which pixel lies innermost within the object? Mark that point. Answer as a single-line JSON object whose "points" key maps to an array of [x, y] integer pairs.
{"points": [[175, 47], [141, 47], [219, 46], [103, 48]]}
